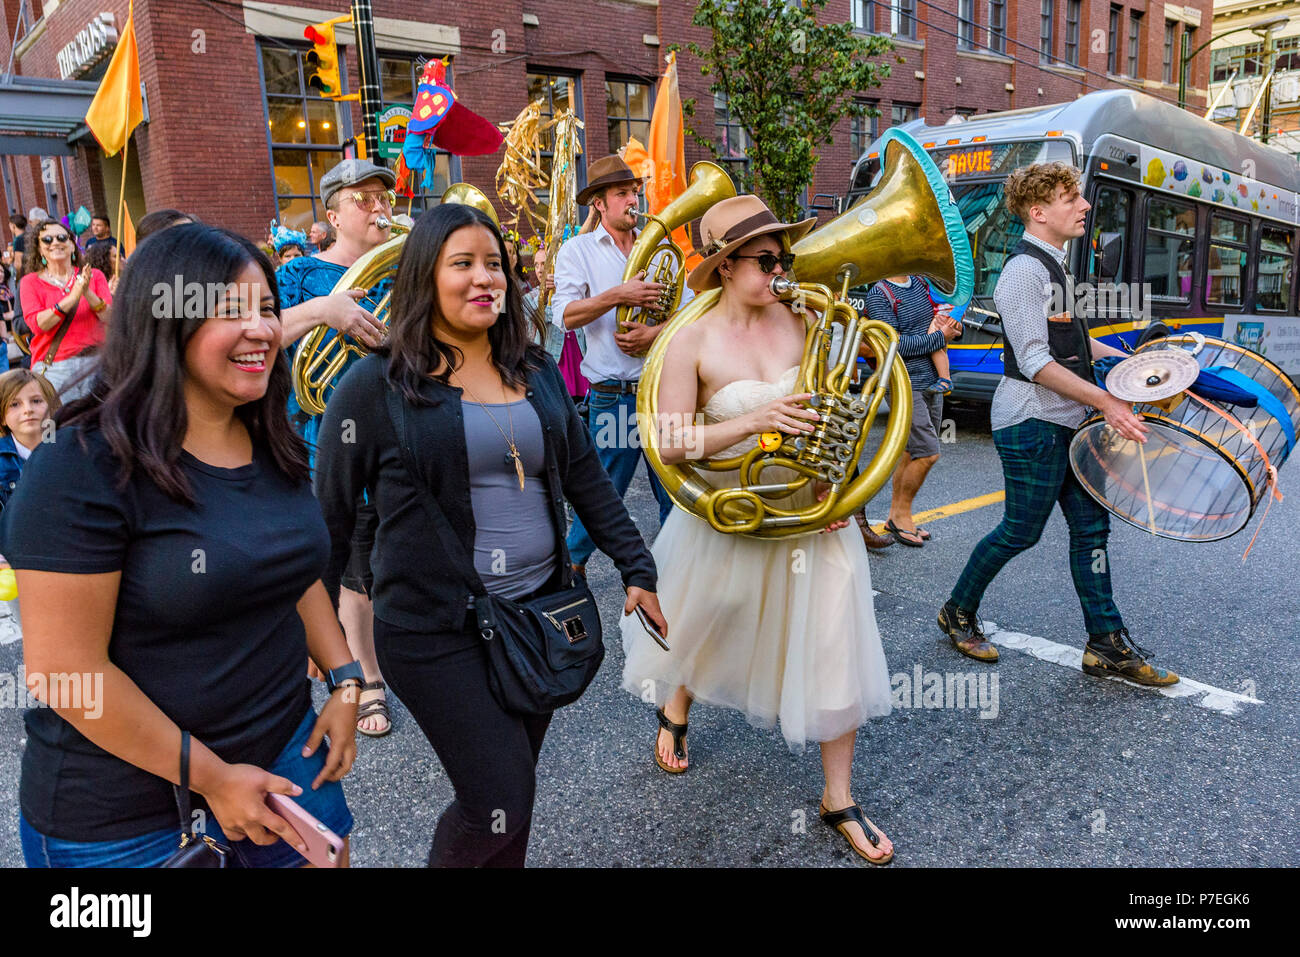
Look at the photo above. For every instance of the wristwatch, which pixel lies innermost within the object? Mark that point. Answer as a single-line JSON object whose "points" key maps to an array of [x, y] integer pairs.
{"points": [[335, 675]]}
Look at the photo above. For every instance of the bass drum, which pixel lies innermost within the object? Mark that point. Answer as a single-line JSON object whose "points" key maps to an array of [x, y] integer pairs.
{"points": [[1198, 478]]}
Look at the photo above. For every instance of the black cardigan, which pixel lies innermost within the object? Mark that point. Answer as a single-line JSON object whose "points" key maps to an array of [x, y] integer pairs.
{"points": [[415, 587]]}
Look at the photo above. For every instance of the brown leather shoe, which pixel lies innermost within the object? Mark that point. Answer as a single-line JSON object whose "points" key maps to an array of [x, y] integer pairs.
{"points": [[1115, 654], [869, 537], [963, 629]]}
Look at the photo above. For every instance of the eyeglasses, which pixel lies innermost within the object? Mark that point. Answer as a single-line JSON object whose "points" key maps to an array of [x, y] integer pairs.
{"points": [[768, 261], [51, 240], [366, 200]]}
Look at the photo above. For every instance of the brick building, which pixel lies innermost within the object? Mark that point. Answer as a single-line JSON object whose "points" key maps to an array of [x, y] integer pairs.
{"points": [[234, 136]]}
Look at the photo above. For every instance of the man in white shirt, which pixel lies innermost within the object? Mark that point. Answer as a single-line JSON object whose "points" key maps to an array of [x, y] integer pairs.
{"points": [[589, 288]]}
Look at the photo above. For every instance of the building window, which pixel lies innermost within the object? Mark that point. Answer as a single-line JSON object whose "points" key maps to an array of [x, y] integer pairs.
{"points": [[1171, 30], [303, 133], [558, 92], [1189, 33], [901, 113], [627, 109], [1134, 43], [864, 15], [733, 141], [966, 24], [998, 26], [863, 131], [398, 79], [1045, 39], [1112, 40], [1072, 31], [902, 19]]}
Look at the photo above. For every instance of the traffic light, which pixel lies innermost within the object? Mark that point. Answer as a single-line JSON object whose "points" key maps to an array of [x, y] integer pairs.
{"points": [[323, 60]]}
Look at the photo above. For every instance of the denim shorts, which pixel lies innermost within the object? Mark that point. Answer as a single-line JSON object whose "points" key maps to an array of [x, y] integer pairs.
{"points": [[151, 850]]}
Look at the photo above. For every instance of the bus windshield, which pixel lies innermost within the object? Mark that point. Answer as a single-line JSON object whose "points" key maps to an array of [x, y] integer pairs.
{"points": [[976, 174]]}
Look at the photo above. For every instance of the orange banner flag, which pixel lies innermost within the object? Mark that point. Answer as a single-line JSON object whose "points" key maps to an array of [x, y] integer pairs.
{"points": [[117, 108], [126, 231], [667, 154]]}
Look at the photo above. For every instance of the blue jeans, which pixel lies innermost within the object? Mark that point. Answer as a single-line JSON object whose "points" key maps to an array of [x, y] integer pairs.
{"points": [[151, 850], [612, 421], [1036, 465]]}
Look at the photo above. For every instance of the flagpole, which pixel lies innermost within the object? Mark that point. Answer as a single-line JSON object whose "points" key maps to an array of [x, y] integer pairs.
{"points": [[121, 190]]}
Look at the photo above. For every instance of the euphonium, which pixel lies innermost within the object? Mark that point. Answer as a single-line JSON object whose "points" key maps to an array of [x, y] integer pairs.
{"points": [[321, 355], [908, 225], [655, 252]]}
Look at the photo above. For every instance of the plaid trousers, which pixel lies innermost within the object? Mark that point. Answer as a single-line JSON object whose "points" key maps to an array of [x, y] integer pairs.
{"points": [[1036, 466]]}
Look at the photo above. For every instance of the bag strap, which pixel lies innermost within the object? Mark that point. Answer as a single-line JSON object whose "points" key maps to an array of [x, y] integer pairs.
{"points": [[183, 789], [449, 540], [58, 338]]}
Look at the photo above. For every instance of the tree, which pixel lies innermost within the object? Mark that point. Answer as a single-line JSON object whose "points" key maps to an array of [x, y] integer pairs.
{"points": [[788, 80]]}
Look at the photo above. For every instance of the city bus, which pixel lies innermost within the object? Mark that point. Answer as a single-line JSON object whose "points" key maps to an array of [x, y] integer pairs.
{"points": [[1191, 224]]}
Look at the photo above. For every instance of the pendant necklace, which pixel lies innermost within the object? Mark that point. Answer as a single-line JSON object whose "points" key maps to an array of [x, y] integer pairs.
{"points": [[513, 455]]}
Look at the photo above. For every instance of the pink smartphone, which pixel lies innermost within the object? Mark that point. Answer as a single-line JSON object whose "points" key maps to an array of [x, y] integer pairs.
{"points": [[324, 847]]}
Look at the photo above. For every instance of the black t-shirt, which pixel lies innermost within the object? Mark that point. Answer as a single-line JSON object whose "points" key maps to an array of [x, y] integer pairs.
{"points": [[206, 622]]}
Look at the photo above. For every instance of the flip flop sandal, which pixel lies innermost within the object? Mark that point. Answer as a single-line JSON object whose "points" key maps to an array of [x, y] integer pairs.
{"points": [[678, 731], [837, 820], [376, 707], [925, 535], [898, 533]]}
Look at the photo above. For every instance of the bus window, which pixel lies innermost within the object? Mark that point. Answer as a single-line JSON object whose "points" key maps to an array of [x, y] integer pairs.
{"points": [[1168, 249], [993, 229], [1229, 240], [1273, 282], [1108, 249]]}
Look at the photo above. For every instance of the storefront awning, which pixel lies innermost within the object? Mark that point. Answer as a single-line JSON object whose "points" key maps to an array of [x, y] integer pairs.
{"points": [[43, 117]]}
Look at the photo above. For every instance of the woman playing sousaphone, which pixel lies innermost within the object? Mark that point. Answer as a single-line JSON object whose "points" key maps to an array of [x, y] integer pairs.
{"points": [[785, 630]]}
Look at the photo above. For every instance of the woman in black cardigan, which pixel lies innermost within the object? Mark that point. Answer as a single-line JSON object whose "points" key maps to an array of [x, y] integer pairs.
{"points": [[499, 443]]}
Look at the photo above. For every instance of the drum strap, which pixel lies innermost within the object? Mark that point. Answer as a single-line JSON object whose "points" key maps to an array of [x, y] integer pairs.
{"points": [[1267, 400], [1269, 467]]}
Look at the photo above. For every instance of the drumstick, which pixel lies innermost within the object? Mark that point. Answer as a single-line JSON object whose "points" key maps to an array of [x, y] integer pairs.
{"points": [[1146, 484]]}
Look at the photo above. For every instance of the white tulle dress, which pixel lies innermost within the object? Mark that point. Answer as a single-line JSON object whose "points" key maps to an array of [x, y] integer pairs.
{"points": [[784, 631]]}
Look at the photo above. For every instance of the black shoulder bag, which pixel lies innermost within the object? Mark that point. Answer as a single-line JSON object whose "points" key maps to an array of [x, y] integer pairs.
{"points": [[196, 850], [542, 653]]}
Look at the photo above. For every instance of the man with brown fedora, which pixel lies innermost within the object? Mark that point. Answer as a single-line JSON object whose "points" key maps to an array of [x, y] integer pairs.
{"points": [[589, 288]]}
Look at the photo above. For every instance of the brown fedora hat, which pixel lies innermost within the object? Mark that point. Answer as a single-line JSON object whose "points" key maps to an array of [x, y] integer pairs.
{"points": [[730, 224], [606, 171]]}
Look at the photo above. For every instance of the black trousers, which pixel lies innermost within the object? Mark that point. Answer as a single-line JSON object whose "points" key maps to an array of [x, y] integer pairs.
{"points": [[489, 754]]}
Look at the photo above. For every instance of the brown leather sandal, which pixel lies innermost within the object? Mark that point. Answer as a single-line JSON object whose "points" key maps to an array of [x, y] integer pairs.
{"points": [[375, 707], [678, 731]]}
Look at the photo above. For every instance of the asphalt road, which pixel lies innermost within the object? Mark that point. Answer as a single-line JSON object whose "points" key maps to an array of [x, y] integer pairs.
{"points": [[1072, 770]]}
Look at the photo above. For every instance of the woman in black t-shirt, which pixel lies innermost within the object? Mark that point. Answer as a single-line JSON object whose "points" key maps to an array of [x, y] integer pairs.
{"points": [[169, 553]]}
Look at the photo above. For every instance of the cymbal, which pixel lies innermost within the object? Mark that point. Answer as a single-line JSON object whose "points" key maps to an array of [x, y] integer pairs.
{"points": [[1153, 375]]}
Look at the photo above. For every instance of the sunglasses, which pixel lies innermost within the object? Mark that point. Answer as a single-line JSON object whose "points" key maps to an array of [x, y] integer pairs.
{"points": [[768, 261], [51, 240], [366, 200]]}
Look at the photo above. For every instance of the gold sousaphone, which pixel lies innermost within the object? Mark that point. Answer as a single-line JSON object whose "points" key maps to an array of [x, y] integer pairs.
{"points": [[322, 353], [655, 252], [907, 225]]}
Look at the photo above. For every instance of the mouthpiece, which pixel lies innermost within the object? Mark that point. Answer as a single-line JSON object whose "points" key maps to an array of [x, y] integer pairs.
{"points": [[781, 285]]}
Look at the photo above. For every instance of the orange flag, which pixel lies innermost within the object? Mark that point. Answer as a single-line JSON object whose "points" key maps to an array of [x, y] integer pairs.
{"points": [[117, 108], [667, 154], [126, 229]]}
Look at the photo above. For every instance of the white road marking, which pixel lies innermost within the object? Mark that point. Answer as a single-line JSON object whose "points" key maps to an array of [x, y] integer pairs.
{"points": [[1207, 696]]}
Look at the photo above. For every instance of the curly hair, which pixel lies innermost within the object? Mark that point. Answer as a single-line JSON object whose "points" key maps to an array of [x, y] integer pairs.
{"points": [[1035, 185], [32, 258]]}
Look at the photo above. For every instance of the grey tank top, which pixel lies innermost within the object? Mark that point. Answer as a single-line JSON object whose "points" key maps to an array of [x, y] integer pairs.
{"points": [[515, 549]]}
